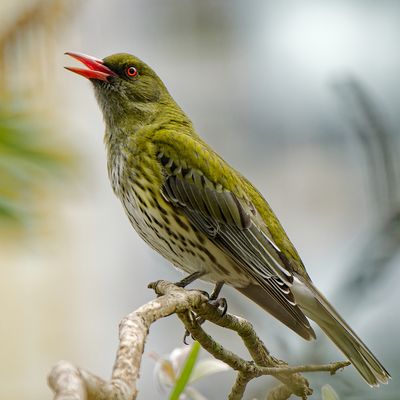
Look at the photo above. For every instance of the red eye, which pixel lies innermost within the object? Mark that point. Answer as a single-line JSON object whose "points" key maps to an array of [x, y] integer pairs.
{"points": [[131, 71]]}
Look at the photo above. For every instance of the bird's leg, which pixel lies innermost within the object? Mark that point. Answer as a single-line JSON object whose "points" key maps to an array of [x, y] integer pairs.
{"points": [[218, 302], [217, 290], [215, 301], [189, 279]]}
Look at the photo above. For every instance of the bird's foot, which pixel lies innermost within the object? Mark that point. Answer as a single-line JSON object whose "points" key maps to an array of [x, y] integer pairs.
{"points": [[194, 318], [218, 302], [220, 305]]}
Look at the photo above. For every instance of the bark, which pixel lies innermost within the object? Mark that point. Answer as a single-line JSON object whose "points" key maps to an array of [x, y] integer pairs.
{"points": [[69, 382]]}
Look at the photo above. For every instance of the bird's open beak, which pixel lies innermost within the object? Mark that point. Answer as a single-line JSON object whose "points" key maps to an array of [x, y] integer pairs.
{"points": [[96, 68]]}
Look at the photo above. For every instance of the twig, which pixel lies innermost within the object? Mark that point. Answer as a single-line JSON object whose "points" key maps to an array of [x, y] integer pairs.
{"points": [[71, 383], [237, 391]]}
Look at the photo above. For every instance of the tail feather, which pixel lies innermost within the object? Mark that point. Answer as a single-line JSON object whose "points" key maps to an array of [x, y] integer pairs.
{"points": [[260, 296], [358, 354], [334, 326]]}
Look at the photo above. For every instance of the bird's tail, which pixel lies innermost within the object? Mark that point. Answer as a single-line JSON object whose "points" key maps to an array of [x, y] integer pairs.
{"points": [[345, 338]]}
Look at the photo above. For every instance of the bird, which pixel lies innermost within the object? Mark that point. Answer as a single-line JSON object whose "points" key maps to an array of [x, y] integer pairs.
{"points": [[198, 212]]}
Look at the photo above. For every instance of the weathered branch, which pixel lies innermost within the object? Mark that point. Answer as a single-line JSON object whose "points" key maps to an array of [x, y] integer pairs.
{"points": [[71, 383], [239, 386]]}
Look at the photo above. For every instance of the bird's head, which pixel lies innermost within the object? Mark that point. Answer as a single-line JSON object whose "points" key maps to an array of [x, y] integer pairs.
{"points": [[124, 86]]}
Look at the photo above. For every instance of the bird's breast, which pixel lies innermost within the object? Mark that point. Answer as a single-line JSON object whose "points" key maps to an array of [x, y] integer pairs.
{"points": [[164, 227], [116, 167]]}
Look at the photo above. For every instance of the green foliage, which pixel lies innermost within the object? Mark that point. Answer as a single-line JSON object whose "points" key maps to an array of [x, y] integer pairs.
{"points": [[30, 163], [187, 369]]}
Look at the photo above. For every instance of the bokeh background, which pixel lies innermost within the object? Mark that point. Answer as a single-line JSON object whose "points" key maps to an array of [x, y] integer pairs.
{"points": [[300, 96]]}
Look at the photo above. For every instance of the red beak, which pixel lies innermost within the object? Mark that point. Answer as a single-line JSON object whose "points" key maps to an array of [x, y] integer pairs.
{"points": [[97, 70]]}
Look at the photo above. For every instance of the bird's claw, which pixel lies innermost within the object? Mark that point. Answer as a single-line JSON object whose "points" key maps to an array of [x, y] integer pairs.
{"points": [[185, 336], [193, 318], [220, 304]]}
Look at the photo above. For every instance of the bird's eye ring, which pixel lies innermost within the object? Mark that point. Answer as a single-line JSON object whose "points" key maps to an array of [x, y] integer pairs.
{"points": [[131, 71]]}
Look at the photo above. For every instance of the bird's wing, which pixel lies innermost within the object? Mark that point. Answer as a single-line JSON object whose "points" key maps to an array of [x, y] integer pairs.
{"points": [[233, 224]]}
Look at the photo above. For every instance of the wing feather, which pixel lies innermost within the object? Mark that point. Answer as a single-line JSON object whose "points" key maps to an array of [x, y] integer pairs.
{"points": [[233, 225]]}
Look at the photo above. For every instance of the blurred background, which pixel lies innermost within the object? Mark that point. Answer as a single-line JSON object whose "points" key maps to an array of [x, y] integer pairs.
{"points": [[300, 96]]}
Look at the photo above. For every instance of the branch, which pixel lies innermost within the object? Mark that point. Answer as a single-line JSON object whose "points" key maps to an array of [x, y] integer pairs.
{"points": [[71, 383]]}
